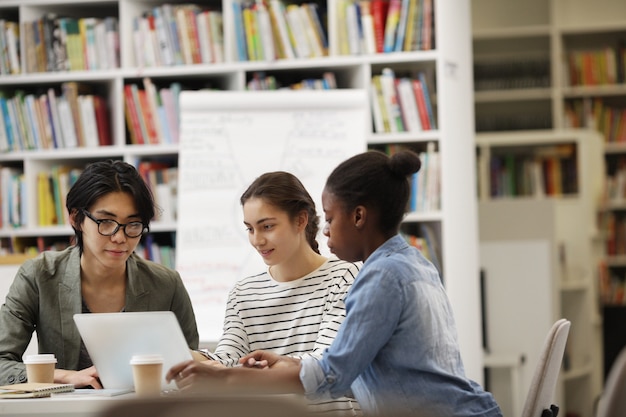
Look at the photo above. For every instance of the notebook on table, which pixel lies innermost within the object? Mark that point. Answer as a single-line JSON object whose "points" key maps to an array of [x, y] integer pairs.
{"points": [[113, 338], [33, 389]]}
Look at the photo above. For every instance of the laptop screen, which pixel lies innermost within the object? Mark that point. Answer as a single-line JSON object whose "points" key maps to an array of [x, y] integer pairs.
{"points": [[113, 338]]}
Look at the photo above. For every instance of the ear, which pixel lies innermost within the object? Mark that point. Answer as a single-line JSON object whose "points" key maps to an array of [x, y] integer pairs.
{"points": [[360, 216], [73, 221], [302, 220]]}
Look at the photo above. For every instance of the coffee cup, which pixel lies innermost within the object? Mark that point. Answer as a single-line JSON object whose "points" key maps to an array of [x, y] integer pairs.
{"points": [[40, 368], [147, 373]]}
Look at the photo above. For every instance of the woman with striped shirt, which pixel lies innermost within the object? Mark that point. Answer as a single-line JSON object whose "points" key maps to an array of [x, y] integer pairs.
{"points": [[296, 306]]}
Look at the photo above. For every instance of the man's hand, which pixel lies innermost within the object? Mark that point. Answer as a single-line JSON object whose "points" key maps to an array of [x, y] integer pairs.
{"points": [[87, 377]]}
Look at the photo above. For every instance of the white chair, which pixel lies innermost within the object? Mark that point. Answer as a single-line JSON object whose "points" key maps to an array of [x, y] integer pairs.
{"points": [[539, 402], [613, 400]]}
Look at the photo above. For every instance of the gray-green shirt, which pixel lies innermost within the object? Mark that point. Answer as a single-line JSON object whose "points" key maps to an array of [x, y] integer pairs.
{"points": [[46, 293]]}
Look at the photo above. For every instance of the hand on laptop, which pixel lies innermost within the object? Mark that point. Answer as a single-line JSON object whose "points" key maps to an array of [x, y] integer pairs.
{"points": [[87, 377]]}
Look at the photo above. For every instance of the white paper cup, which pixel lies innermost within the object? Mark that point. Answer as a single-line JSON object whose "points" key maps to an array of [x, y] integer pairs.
{"points": [[40, 368], [147, 374]]}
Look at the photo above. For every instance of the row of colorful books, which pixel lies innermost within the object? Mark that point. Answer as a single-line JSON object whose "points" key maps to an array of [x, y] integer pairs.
{"points": [[58, 43], [178, 34], [52, 189], [162, 178], [426, 183], [75, 118], [614, 228], [272, 30], [31, 246], [611, 286], [152, 114], [401, 104], [544, 171], [12, 198], [262, 81], [597, 67], [597, 114], [427, 243], [382, 26], [9, 47], [156, 252]]}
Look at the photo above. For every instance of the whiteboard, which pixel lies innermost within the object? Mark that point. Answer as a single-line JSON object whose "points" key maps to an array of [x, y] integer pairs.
{"points": [[229, 138]]}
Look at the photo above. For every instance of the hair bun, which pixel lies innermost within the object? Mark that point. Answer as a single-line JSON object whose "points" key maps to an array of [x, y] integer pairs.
{"points": [[405, 163]]}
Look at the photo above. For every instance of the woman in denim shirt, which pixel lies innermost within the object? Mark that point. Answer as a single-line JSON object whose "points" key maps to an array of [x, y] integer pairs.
{"points": [[397, 349]]}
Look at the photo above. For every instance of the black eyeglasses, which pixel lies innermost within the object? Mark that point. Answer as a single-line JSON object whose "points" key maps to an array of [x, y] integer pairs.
{"points": [[108, 227]]}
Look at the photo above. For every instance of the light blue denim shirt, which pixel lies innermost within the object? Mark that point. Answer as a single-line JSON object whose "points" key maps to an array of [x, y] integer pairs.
{"points": [[397, 348]]}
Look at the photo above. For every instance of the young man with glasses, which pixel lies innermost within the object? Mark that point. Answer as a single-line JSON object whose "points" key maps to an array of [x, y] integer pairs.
{"points": [[110, 208]]}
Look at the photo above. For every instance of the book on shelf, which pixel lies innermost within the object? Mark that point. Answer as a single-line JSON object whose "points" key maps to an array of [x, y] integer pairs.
{"points": [[420, 101], [391, 25], [148, 118], [54, 118], [387, 82], [103, 122], [264, 28], [353, 24], [13, 41], [33, 389], [132, 117], [382, 120], [408, 105], [367, 23], [398, 45], [427, 32], [379, 9], [67, 124], [412, 24], [314, 29], [88, 118], [240, 31], [71, 90], [204, 36], [217, 35], [298, 30], [281, 29]]}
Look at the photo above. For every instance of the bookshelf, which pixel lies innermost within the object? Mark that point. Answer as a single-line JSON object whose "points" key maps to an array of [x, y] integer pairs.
{"points": [[582, 47], [446, 62], [524, 217]]}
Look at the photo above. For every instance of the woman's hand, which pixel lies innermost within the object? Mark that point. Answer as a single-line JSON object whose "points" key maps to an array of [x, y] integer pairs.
{"points": [[194, 376], [87, 377], [265, 359]]}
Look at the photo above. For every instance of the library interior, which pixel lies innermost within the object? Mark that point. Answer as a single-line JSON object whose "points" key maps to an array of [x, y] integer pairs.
{"points": [[516, 109]]}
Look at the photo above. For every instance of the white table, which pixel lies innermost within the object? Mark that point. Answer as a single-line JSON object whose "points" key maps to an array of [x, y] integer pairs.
{"points": [[58, 406]]}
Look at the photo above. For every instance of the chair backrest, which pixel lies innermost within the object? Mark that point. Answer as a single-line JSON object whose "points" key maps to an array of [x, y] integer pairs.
{"points": [[543, 385], [613, 400]]}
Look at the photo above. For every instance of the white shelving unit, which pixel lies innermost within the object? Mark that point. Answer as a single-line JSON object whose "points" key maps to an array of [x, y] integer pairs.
{"points": [[450, 63], [549, 31], [542, 250]]}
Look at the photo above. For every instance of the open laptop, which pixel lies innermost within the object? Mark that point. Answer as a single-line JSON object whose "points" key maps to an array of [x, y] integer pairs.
{"points": [[113, 338]]}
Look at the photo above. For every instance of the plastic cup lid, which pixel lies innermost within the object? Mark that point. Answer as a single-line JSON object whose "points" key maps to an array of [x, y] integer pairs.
{"points": [[42, 358], [146, 359]]}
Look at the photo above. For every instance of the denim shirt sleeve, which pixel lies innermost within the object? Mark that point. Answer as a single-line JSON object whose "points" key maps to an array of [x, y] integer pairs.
{"points": [[369, 324], [311, 375]]}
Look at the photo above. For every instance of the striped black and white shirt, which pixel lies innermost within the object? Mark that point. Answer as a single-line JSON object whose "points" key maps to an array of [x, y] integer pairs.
{"points": [[296, 318]]}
